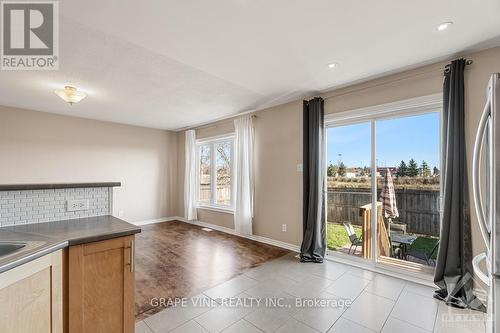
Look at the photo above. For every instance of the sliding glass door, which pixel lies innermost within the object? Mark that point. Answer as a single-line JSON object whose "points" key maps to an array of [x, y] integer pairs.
{"points": [[349, 189], [408, 186], [383, 180]]}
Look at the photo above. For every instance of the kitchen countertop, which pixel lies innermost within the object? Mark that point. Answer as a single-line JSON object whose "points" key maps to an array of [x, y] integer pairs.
{"points": [[44, 238], [48, 186]]}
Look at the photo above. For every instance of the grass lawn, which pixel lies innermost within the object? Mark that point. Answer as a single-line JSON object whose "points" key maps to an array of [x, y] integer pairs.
{"points": [[425, 244], [336, 236]]}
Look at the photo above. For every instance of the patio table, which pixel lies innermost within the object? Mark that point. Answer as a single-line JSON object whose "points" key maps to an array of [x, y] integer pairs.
{"points": [[403, 240]]}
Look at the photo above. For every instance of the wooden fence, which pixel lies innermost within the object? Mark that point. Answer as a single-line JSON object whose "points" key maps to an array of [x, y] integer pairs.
{"points": [[223, 194], [418, 209]]}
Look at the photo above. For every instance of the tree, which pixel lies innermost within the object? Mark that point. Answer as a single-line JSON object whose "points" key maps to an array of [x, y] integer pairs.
{"points": [[435, 171], [332, 170], [342, 169], [412, 168], [364, 171], [402, 170], [425, 171], [224, 155], [223, 160]]}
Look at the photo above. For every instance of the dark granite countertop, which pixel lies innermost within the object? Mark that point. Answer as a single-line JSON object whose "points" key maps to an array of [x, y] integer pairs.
{"points": [[49, 186], [44, 238]]}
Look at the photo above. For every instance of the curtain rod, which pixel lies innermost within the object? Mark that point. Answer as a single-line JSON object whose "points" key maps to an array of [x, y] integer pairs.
{"points": [[447, 67]]}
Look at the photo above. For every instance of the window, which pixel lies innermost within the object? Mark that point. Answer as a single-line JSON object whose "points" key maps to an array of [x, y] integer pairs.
{"points": [[215, 173]]}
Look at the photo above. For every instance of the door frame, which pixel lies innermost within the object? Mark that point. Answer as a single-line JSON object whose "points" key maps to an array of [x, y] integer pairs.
{"points": [[372, 114]]}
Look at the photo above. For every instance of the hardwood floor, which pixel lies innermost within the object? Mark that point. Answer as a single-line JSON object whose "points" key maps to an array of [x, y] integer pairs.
{"points": [[177, 259]]}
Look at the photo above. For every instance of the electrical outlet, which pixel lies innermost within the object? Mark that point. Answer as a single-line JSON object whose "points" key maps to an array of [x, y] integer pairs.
{"points": [[120, 213], [283, 227], [300, 167], [74, 205]]}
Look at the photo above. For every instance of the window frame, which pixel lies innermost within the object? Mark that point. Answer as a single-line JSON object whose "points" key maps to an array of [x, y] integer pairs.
{"points": [[212, 142]]}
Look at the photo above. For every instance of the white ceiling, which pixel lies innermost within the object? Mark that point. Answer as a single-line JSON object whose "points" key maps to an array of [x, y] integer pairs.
{"points": [[176, 63]]}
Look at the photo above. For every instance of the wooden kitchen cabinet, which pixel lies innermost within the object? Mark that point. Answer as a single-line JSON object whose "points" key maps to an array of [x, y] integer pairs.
{"points": [[100, 287], [31, 296]]}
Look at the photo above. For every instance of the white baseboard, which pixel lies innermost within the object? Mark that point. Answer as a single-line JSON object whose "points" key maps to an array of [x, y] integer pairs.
{"points": [[153, 221], [256, 238], [230, 231], [270, 241]]}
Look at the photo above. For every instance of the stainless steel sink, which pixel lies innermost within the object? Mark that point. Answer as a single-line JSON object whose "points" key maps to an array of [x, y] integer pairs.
{"points": [[17, 248], [7, 248]]}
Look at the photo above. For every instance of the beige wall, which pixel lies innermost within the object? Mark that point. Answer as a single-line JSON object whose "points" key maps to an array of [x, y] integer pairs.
{"points": [[222, 219], [37, 147], [278, 192], [278, 185]]}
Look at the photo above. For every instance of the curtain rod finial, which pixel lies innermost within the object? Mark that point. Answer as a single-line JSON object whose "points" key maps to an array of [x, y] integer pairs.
{"points": [[467, 62]]}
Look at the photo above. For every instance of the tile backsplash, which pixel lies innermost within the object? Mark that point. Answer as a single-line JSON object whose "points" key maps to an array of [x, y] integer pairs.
{"points": [[37, 206]]}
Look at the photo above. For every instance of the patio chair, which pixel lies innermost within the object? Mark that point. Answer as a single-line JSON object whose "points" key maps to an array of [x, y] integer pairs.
{"points": [[398, 227], [355, 240], [417, 252]]}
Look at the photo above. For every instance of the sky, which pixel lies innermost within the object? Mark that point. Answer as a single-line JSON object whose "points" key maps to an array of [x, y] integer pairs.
{"points": [[397, 139]]}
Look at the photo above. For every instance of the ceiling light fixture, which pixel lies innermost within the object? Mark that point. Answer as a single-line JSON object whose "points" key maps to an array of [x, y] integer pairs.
{"points": [[444, 26], [333, 65], [70, 94]]}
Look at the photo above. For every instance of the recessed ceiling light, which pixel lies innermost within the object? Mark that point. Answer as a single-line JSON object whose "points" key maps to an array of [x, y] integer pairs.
{"points": [[444, 26], [70, 94], [333, 65]]}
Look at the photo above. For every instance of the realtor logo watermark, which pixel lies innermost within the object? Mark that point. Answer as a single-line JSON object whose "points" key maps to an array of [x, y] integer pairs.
{"points": [[30, 35]]}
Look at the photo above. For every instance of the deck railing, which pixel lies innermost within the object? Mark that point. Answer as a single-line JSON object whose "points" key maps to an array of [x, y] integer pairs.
{"points": [[384, 242]]}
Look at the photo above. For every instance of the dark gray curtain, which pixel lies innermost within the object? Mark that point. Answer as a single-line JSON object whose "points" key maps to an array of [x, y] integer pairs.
{"points": [[314, 236], [453, 273]]}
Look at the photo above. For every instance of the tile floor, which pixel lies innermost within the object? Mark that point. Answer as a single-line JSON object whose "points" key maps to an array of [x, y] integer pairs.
{"points": [[379, 304]]}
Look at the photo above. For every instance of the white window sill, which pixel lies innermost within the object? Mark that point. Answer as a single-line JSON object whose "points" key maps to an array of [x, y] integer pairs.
{"points": [[217, 209]]}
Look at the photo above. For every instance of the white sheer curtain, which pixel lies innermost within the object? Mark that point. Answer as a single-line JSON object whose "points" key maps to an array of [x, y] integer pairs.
{"points": [[244, 175], [190, 177]]}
